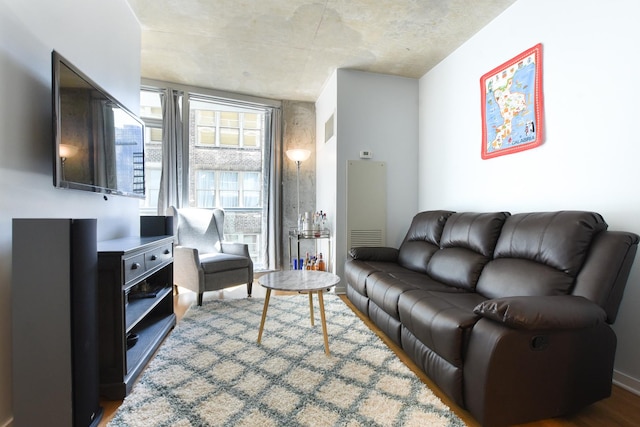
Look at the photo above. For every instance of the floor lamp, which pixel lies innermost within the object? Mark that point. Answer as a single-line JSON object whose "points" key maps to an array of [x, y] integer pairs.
{"points": [[298, 155]]}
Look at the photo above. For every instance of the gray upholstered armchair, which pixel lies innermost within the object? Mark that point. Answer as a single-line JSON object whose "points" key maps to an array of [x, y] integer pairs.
{"points": [[202, 260]]}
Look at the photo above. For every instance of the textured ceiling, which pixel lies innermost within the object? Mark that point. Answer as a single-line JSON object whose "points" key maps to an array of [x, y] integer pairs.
{"points": [[287, 49]]}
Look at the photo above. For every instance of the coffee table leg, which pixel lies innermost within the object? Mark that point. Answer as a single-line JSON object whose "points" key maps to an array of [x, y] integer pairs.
{"points": [[264, 314], [311, 306], [324, 323]]}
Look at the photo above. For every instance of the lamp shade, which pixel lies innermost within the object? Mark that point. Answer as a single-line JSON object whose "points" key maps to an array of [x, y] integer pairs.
{"points": [[67, 150], [298, 154]]}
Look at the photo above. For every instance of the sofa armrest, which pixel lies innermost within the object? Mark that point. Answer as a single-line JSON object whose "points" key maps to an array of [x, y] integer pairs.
{"points": [[235, 248], [186, 256], [374, 253], [187, 271], [542, 312]]}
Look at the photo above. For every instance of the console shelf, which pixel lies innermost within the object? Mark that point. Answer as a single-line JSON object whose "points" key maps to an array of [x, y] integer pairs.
{"points": [[131, 330]]}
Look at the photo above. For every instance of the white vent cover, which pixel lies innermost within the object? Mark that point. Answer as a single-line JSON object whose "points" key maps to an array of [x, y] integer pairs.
{"points": [[366, 203]]}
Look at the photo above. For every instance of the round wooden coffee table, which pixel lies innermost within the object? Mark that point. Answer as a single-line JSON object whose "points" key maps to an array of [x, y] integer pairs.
{"points": [[303, 281]]}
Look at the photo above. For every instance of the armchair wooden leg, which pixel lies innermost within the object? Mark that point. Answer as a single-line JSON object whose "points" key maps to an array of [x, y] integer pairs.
{"points": [[249, 288], [199, 298]]}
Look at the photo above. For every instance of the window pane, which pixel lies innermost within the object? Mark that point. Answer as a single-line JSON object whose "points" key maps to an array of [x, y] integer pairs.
{"points": [[205, 118], [228, 180], [251, 120], [251, 199], [154, 135], [229, 119], [229, 136], [229, 189], [229, 199], [251, 138], [205, 189], [251, 181], [206, 136], [150, 106]]}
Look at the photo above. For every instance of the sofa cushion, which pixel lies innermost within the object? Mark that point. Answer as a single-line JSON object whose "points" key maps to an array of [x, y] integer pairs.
{"points": [[467, 244], [356, 273], [506, 277], [214, 263], [422, 239], [558, 239], [442, 321], [539, 253], [198, 229], [384, 289]]}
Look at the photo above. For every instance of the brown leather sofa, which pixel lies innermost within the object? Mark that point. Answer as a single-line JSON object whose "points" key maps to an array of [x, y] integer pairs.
{"points": [[508, 314]]}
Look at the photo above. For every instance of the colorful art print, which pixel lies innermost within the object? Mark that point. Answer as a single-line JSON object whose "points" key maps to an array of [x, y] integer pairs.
{"points": [[512, 105]]}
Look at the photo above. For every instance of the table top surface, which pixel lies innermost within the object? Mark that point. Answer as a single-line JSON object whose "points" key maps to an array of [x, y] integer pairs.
{"points": [[299, 280]]}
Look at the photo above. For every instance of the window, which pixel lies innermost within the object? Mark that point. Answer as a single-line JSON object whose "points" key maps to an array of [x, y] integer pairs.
{"points": [[226, 158], [151, 115], [224, 150]]}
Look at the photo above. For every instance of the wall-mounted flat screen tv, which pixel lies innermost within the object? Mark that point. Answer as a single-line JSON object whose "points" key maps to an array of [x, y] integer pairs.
{"points": [[98, 142]]}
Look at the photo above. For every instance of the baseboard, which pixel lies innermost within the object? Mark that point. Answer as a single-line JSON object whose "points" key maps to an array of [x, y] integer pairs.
{"points": [[626, 382]]}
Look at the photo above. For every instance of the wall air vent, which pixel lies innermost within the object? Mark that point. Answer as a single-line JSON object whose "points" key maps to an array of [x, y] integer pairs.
{"points": [[366, 203]]}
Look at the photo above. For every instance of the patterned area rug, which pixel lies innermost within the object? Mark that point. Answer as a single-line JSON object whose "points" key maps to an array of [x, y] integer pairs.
{"points": [[211, 372]]}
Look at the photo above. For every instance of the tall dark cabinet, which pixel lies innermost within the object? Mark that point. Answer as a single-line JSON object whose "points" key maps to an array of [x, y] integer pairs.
{"points": [[55, 323]]}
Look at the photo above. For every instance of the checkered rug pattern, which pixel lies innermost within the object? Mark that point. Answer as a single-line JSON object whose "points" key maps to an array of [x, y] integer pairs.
{"points": [[210, 371]]}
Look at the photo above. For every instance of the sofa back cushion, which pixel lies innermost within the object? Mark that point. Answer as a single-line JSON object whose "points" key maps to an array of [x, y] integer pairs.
{"points": [[540, 253], [200, 229], [422, 239], [467, 243]]}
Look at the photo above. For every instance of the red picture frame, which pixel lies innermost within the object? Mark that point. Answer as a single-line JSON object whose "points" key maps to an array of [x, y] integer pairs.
{"points": [[512, 104]]}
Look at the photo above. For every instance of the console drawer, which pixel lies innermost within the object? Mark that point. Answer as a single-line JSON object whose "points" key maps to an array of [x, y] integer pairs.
{"points": [[157, 256], [133, 267]]}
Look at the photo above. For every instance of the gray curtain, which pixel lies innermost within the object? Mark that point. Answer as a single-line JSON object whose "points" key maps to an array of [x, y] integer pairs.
{"points": [[273, 178], [171, 178]]}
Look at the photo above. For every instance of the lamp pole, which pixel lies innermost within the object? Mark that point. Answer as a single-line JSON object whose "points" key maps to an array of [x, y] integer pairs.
{"points": [[298, 183], [298, 155]]}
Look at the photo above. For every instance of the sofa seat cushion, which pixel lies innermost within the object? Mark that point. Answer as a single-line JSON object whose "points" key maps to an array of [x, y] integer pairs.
{"points": [[215, 263], [442, 321], [358, 273], [384, 289]]}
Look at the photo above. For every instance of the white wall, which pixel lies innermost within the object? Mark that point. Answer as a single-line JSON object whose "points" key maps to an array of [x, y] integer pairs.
{"points": [[589, 158], [326, 167], [102, 38], [373, 112]]}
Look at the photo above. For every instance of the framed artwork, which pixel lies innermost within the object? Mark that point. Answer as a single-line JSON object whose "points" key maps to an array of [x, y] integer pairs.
{"points": [[512, 105]]}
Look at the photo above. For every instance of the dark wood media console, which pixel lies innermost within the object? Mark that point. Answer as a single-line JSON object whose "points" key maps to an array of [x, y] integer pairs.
{"points": [[135, 288]]}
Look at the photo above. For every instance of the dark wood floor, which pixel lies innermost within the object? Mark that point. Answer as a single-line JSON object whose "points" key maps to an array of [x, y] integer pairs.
{"points": [[622, 409]]}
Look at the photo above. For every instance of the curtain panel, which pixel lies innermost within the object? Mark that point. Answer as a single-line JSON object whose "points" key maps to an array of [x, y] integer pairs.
{"points": [[171, 178]]}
